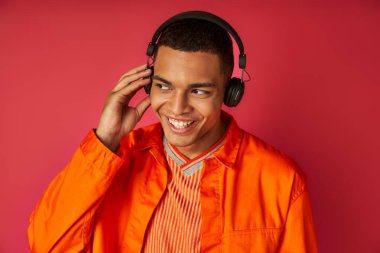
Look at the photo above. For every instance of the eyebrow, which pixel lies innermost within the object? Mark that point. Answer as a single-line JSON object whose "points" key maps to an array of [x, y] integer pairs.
{"points": [[156, 77], [192, 86], [201, 85]]}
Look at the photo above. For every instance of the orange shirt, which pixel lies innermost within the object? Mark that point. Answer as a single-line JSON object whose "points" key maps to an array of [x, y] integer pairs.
{"points": [[253, 198]]}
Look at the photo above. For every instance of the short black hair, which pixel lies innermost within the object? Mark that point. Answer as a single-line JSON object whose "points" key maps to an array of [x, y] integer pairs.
{"points": [[194, 35]]}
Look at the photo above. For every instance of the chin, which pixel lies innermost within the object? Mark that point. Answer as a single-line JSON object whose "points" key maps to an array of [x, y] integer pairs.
{"points": [[178, 139]]}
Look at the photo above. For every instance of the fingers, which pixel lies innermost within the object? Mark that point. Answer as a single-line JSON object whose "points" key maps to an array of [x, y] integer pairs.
{"points": [[131, 76], [129, 80], [142, 106], [126, 93], [128, 86], [133, 71]]}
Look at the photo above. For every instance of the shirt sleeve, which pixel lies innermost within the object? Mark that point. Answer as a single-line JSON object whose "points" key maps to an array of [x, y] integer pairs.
{"points": [[62, 220], [298, 235]]}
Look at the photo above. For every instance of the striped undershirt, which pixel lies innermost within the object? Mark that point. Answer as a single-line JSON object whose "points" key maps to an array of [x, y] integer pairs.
{"points": [[176, 224]]}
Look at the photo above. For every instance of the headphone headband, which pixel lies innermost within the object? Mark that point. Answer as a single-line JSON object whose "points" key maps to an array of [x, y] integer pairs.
{"points": [[201, 15]]}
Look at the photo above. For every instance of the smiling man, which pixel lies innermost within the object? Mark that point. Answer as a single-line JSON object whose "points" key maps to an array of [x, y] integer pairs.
{"points": [[193, 182]]}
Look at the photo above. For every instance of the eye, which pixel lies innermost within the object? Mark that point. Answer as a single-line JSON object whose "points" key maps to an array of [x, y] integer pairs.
{"points": [[162, 86], [200, 92]]}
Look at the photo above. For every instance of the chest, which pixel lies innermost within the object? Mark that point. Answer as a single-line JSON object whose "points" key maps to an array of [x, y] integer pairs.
{"points": [[233, 207]]}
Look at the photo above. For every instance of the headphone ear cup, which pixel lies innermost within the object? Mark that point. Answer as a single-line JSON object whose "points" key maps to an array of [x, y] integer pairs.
{"points": [[148, 87], [234, 92]]}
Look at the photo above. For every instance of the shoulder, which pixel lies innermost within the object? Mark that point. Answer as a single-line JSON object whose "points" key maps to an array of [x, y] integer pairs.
{"points": [[143, 137], [258, 149], [272, 166]]}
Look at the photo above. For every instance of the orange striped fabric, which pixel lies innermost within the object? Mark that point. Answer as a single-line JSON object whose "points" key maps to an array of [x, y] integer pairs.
{"points": [[176, 223]]}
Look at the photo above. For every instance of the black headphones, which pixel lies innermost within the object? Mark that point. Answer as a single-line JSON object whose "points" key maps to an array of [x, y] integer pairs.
{"points": [[235, 88]]}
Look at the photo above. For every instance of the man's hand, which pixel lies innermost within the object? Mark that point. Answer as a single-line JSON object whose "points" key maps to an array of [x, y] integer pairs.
{"points": [[118, 118]]}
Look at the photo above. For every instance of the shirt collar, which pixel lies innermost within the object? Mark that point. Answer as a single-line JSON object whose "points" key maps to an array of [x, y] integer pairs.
{"points": [[190, 166], [227, 153]]}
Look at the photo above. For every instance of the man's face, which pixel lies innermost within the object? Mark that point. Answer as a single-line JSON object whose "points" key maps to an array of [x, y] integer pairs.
{"points": [[187, 95]]}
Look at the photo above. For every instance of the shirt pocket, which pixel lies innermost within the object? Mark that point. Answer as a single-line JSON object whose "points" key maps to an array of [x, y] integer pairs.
{"points": [[261, 240]]}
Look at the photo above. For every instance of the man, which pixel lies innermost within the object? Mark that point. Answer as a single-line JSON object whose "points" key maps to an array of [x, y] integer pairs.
{"points": [[194, 182]]}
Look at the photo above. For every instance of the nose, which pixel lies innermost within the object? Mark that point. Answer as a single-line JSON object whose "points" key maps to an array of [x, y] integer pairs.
{"points": [[179, 103]]}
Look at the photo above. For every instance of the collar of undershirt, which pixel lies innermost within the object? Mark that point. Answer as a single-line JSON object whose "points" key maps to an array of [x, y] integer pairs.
{"points": [[190, 166]]}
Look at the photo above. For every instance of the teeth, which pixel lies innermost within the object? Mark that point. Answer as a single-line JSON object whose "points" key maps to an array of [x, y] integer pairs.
{"points": [[180, 124]]}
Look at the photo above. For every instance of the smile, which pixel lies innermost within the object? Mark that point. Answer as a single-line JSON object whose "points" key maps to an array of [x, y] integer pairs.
{"points": [[180, 124]]}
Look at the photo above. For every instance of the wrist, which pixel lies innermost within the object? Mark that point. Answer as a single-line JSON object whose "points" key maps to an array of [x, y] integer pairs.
{"points": [[111, 143]]}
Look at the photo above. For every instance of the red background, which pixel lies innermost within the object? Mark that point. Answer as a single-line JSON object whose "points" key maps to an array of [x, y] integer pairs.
{"points": [[314, 94]]}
